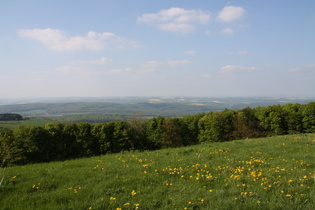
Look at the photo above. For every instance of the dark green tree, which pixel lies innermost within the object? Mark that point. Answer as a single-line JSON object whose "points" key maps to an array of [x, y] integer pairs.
{"points": [[154, 133], [308, 117]]}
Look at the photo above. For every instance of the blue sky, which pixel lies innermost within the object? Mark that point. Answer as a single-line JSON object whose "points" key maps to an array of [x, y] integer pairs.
{"points": [[100, 48]]}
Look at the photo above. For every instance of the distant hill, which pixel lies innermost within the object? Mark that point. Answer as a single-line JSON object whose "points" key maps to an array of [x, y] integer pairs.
{"points": [[130, 106]]}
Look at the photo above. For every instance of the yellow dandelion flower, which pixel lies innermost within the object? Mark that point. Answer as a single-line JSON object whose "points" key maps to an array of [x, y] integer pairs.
{"points": [[133, 192], [288, 195]]}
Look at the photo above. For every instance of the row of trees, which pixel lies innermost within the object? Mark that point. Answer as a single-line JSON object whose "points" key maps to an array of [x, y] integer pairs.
{"points": [[66, 141]]}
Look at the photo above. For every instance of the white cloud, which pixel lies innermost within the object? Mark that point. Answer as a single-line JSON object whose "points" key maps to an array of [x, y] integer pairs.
{"points": [[190, 52], [231, 13], [176, 27], [58, 40], [227, 31], [236, 69], [176, 19]]}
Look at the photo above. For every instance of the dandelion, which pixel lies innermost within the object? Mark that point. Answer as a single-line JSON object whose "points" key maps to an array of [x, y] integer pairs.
{"points": [[290, 181], [12, 178], [127, 204], [258, 202], [133, 192], [112, 198], [288, 195]]}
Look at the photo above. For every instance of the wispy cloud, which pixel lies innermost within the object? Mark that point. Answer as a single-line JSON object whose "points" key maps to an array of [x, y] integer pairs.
{"points": [[190, 52], [242, 52], [120, 71], [58, 40], [307, 68], [227, 31], [152, 65], [79, 65], [231, 13], [237, 69], [176, 19], [102, 60], [208, 33]]}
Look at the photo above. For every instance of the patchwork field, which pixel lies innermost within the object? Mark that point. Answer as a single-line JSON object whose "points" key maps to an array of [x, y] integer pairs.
{"points": [[266, 173]]}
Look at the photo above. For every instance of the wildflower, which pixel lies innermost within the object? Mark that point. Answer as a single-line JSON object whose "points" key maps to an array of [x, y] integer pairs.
{"points": [[12, 178], [133, 192], [118, 208], [210, 190], [126, 204], [112, 198], [258, 202], [288, 195], [290, 181]]}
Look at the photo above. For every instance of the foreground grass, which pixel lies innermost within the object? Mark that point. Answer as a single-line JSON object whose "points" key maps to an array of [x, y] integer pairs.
{"points": [[268, 173]]}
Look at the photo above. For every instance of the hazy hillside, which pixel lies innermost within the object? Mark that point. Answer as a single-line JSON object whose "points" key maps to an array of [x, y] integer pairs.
{"points": [[129, 106]]}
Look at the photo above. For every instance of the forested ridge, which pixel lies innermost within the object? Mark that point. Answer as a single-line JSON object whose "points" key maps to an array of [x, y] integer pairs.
{"points": [[62, 141]]}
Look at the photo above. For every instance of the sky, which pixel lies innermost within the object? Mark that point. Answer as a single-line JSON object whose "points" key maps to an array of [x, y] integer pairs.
{"points": [[193, 48]]}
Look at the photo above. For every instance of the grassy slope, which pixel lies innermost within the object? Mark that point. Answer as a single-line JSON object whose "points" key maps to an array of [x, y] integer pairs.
{"points": [[268, 173]]}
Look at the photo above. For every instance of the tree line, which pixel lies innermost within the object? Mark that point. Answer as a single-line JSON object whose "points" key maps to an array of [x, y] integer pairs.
{"points": [[60, 141], [10, 116]]}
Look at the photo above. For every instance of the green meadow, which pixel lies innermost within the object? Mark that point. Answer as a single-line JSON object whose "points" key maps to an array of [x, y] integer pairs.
{"points": [[29, 122], [266, 173]]}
